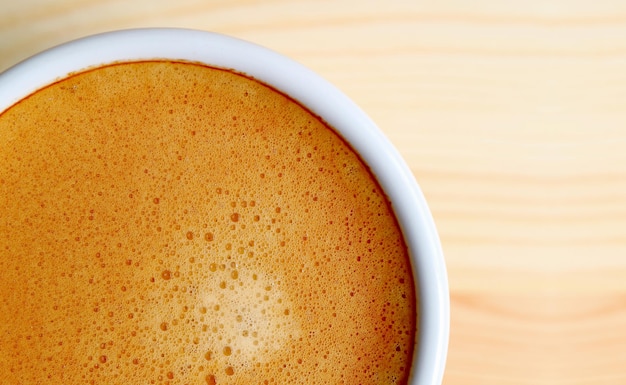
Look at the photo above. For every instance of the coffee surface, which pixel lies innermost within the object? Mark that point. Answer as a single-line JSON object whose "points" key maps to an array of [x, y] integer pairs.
{"points": [[170, 223]]}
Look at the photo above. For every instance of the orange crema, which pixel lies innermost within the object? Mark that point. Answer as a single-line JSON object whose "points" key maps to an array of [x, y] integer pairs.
{"points": [[171, 223]]}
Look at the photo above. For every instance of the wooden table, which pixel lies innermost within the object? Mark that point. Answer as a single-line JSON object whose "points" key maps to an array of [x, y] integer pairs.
{"points": [[512, 116]]}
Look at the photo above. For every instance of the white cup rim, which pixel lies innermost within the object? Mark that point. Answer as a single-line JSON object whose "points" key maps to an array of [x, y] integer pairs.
{"points": [[312, 91]]}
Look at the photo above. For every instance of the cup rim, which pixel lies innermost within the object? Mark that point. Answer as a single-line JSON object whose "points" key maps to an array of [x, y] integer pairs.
{"points": [[312, 91]]}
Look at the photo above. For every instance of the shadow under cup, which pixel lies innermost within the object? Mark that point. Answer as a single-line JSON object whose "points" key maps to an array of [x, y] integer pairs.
{"points": [[318, 96]]}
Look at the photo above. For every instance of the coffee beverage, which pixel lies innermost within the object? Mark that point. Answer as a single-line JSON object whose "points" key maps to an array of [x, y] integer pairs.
{"points": [[170, 223]]}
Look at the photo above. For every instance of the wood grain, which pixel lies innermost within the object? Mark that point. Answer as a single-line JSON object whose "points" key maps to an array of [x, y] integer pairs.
{"points": [[512, 117]]}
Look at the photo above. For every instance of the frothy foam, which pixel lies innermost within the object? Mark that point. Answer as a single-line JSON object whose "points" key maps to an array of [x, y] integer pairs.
{"points": [[169, 223]]}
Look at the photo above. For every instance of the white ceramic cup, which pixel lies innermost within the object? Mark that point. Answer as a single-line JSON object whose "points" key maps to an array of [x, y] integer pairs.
{"points": [[316, 94]]}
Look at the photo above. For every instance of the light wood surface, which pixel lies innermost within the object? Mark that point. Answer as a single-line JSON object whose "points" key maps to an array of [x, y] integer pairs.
{"points": [[512, 116]]}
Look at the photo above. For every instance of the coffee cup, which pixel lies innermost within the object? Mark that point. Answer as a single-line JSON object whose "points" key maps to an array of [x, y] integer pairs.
{"points": [[297, 83]]}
